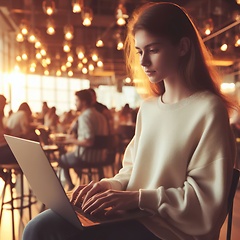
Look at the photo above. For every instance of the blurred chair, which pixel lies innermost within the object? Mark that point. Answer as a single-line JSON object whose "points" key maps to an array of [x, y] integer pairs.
{"points": [[18, 201], [49, 148], [102, 154], [235, 179], [125, 133]]}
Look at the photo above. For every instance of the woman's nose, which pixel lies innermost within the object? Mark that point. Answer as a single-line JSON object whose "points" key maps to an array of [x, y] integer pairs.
{"points": [[145, 61]]}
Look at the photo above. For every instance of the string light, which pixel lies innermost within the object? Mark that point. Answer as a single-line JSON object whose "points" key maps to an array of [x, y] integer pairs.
{"points": [[77, 6], [49, 7], [121, 15], [68, 32], [99, 43], [19, 37], [50, 26], [87, 16], [208, 26]]}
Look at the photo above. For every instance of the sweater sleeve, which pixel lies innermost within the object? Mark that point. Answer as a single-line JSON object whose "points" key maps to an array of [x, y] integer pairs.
{"points": [[200, 205]]}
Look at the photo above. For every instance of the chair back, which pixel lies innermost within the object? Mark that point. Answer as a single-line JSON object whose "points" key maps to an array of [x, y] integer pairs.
{"points": [[235, 179], [101, 152], [43, 135]]}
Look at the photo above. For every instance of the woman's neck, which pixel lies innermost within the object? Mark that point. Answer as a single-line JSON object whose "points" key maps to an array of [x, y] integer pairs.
{"points": [[175, 91]]}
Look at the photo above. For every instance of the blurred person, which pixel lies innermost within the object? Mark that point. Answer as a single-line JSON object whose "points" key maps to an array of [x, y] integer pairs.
{"points": [[20, 123], [125, 115], [6, 155], [89, 124], [51, 119], [102, 109], [44, 111], [179, 164]]}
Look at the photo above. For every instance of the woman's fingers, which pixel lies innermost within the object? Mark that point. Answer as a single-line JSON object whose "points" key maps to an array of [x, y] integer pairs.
{"points": [[111, 201], [93, 189]]}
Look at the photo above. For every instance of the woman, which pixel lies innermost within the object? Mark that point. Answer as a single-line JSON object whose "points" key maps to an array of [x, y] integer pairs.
{"points": [[179, 164], [20, 123], [6, 155]]}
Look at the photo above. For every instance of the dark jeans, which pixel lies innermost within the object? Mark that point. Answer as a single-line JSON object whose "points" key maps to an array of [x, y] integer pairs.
{"points": [[6, 155], [49, 226]]}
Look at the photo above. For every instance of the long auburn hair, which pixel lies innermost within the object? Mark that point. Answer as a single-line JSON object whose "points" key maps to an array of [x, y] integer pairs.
{"points": [[172, 21]]}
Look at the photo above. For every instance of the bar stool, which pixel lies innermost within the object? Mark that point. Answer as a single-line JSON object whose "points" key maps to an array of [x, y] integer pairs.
{"points": [[19, 201]]}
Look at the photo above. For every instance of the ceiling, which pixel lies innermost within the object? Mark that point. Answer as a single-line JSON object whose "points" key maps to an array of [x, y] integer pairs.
{"points": [[222, 12]]}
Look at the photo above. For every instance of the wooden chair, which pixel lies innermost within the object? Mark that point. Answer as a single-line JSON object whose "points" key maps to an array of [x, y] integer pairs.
{"points": [[95, 158], [18, 200], [233, 189]]}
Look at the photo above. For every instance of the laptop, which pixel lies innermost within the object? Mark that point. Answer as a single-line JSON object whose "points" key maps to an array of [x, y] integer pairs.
{"points": [[49, 190]]}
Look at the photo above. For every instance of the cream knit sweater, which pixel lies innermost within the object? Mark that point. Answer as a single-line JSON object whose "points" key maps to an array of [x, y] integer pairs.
{"points": [[181, 161]]}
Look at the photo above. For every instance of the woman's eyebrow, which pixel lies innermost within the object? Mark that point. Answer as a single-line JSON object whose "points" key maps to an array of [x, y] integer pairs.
{"points": [[149, 45]]}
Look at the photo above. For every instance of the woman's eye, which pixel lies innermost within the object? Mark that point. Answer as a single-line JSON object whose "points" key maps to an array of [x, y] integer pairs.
{"points": [[139, 53], [153, 50]]}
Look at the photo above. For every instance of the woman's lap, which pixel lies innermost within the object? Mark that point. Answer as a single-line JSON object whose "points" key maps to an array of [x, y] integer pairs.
{"points": [[50, 226]]}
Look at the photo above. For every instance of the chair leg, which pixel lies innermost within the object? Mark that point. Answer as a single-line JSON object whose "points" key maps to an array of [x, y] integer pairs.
{"points": [[89, 175], [12, 206], [100, 173], [229, 224]]}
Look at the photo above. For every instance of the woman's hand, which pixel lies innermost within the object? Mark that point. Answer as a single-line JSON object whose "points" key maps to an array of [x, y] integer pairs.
{"points": [[111, 201], [96, 197], [82, 193]]}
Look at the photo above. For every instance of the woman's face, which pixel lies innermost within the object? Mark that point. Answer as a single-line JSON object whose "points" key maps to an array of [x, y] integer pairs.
{"points": [[158, 56]]}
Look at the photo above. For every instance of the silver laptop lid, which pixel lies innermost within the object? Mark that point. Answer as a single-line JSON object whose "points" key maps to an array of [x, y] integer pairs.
{"points": [[41, 177]]}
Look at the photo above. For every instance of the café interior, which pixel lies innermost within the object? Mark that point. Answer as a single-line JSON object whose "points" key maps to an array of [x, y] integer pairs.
{"points": [[51, 48]]}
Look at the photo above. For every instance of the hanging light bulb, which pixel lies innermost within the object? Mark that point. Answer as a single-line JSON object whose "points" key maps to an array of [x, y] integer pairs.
{"points": [[224, 47], [50, 26], [85, 60], [238, 2], [68, 64], [38, 44], [43, 52], [48, 60], [80, 65], [94, 56], [49, 7], [63, 68], [225, 42], [44, 63], [99, 43], [38, 55], [19, 37], [99, 63], [18, 58], [68, 32], [80, 52], [70, 73], [66, 46], [77, 6], [58, 73], [120, 45], [84, 70], [24, 26], [208, 26], [121, 15], [237, 41], [32, 36], [46, 72], [16, 68], [87, 16], [90, 67], [24, 56], [32, 67], [70, 57]]}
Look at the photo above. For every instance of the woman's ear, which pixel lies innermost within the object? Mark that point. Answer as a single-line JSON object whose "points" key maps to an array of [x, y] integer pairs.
{"points": [[184, 46]]}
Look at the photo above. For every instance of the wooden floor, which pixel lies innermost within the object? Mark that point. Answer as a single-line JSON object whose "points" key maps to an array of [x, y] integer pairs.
{"points": [[6, 227]]}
